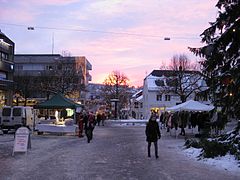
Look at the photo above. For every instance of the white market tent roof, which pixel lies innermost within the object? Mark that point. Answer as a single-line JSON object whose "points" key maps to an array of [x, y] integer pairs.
{"points": [[191, 105]]}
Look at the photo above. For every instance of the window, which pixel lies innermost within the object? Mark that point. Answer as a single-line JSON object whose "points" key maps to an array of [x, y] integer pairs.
{"points": [[159, 82], [159, 97], [141, 105], [49, 67], [17, 112], [3, 75], [59, 66], [18, 67], [6, 112], [135, 104], [167, 98], [4, 56]]}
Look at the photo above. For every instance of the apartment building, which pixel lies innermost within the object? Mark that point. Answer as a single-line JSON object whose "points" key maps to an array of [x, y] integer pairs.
{"points": [[40, 75], [6, 69]]}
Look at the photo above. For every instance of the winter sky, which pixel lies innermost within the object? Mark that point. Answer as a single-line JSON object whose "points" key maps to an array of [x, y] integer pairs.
{"points": [[123, 35]]}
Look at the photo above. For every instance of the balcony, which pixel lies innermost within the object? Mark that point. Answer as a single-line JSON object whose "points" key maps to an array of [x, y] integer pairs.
{"points": [[6, 84]]}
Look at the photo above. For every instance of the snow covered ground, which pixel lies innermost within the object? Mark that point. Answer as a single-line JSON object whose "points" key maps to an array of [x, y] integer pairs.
{"points": [[114, 153], [118, 151], [227, 162]]}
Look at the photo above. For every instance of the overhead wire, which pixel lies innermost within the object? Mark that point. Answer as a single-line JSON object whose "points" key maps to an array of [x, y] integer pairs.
{"points": [[97, 31]]}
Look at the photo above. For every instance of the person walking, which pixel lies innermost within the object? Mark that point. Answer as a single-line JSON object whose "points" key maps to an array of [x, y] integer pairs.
{"points": [[89, 126], [103, 118], [79, 117], [152, 132], [99, 118]]}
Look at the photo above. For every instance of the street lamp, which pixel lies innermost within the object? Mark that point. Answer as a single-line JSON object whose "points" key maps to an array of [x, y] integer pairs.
{"points": [[30, 28], [115, 101], [167, 39], [180, 83]]}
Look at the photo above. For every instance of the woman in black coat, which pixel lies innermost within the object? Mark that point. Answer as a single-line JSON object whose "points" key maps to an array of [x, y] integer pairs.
{"points": [[153, 134]]}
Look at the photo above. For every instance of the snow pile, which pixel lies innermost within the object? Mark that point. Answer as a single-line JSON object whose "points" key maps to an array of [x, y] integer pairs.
{"points": [[227, 162], [192, 152], [128, 122]]}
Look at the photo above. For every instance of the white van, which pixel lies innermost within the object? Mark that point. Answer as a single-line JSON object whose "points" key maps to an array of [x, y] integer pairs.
{"points": [[17, 116], [6, 117]]}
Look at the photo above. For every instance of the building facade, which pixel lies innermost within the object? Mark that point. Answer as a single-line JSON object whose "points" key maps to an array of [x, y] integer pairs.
{"points": [[137, 105], [159, 90], [40, 75], [6, 70]]}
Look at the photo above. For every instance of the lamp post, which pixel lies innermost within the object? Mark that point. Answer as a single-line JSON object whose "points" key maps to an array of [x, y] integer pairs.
{"points": [[180, 83], [115, 101]]}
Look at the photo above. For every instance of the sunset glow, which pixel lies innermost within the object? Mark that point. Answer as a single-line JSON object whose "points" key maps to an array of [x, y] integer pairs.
{"points": [[114, 35]]}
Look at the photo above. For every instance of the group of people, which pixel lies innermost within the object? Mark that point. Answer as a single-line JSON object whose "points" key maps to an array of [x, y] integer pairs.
{"points": [[182, 119], [100, 118], [204, 121], [87, 122]]}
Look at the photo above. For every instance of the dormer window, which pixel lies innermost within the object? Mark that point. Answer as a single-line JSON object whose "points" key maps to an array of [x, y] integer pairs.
{"points": [[159, 82]]}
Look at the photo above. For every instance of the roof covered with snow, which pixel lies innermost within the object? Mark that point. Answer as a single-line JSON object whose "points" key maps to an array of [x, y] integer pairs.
{"points": [[137, 94], [162, 79], [139, 98]]}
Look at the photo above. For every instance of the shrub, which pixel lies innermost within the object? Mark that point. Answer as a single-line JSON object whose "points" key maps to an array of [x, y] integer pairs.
{"points": [[214, 148], [192, 143]]}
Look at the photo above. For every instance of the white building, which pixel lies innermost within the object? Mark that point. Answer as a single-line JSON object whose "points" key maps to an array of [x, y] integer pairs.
{"points": [[137, 105], [159, 90]]}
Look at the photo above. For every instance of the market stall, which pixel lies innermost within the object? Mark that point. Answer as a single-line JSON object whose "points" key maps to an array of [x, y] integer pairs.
{"points": [[190, 113], [52, 128], [62, 121], [191, 105]]}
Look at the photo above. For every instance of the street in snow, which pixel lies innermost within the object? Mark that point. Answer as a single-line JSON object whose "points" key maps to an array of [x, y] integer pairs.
{"points": [[116, 152]]}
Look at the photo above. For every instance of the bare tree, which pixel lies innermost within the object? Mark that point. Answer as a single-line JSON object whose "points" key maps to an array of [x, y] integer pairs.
{"points": [[24, 86], [116, 87], [185, 79]]}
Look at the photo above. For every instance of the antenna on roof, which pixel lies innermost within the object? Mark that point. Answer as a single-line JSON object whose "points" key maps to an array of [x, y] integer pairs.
{"points": [[52, 42]]}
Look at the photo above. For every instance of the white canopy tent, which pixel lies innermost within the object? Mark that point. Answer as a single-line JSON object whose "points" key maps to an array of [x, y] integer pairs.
{"points": [[191, 105]]}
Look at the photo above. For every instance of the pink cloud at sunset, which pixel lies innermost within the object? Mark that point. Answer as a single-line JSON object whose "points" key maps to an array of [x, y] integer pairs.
{"points": [[127, 36]]}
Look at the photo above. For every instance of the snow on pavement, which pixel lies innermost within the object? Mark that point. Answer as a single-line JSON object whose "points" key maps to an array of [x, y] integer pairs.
{"points": [[227, 162], [114, 153]]}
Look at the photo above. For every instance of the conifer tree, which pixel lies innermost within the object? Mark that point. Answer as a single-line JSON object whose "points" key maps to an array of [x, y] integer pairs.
{"points": [[221, 54]]}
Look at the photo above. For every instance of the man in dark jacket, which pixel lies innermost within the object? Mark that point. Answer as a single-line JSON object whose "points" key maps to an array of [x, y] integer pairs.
{"points": [[153, 134], [89, 126]]}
